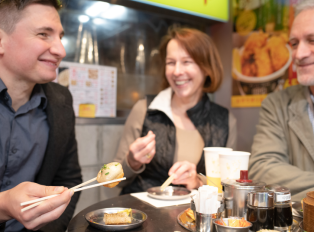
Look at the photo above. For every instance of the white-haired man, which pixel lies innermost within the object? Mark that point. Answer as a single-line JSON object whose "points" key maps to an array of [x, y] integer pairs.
{"points": [[283, 148]]}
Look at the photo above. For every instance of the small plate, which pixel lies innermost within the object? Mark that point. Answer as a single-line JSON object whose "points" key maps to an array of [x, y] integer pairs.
{"points": [[95, 219], [189, 226], [170, 193]]}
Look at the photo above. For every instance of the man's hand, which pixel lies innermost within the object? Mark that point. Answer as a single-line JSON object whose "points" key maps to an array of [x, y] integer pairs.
{"points": [[35, 218]]}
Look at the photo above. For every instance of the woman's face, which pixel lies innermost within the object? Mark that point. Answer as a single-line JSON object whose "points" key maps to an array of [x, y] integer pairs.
{"points": [[183, 74]]}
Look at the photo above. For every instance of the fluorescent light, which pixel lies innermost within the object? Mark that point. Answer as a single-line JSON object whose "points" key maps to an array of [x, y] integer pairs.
{"points": [[99, 21], [115, 11], [83, 18], [141, 47], [97, 8]]}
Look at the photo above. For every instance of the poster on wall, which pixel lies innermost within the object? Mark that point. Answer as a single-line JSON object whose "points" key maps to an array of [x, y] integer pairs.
{"points": [[261, 55], [93, 87]]}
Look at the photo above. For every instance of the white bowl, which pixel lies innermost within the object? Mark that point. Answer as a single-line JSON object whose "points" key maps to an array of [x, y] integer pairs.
{"points": [[270, 77]]}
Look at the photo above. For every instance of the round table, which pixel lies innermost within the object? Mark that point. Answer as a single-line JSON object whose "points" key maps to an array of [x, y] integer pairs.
{"points": [[158, 219]]}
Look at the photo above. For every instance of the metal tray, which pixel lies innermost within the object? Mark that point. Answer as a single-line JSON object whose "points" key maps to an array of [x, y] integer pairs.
{"points": [[170, 193], [95, 219]]}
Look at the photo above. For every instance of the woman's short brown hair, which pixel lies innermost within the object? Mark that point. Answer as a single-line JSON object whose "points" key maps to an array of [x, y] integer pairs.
{"points": [[202, 50]]}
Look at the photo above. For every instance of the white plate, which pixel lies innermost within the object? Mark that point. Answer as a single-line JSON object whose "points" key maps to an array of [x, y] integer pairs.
{"points": [[95, 219], [270, 77], [170, 193]]}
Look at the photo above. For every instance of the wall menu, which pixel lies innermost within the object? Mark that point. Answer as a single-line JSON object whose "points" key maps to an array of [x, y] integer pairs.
{"points": [[212, 9], [90, 85]]}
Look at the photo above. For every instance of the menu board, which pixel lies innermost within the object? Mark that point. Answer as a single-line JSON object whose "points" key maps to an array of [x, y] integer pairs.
{"points": [[262, 57], [93, 85]]}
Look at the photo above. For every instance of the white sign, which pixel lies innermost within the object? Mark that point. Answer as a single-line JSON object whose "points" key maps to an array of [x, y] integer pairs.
{"points": [[90, 84]]}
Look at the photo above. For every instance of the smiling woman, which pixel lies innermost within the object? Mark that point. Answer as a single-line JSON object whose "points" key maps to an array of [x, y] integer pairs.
{"points": [[159, 132]]}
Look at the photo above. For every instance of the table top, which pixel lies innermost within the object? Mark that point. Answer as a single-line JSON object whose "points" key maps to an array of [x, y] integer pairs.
{"points": [[158, 219]]}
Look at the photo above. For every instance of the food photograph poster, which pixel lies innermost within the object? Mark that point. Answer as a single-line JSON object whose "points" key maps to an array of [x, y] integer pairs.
{"points": [[261, 55]]}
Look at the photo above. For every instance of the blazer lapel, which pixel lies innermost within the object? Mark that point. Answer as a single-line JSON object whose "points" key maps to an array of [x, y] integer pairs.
{"points": [[55, 146], [300, 122]]}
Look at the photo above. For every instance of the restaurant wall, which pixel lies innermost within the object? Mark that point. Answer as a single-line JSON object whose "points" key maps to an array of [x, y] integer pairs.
{"points": [[247, 118]]}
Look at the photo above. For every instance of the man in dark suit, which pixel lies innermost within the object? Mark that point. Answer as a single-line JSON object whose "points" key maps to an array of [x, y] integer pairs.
{"points": [[38, 150]]}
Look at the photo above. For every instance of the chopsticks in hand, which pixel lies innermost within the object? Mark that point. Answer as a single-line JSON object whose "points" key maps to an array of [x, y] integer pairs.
{"points": [[76, 189], [167, 182]]}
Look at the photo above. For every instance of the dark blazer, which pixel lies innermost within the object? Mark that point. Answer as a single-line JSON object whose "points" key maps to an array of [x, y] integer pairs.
{"points": [[60, 166]]}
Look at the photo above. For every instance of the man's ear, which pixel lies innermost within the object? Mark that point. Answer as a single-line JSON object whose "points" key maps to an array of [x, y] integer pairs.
{"points": [[2, 35]]}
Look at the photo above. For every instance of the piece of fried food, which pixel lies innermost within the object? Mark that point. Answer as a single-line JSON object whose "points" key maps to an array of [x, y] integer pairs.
{"points": [[109, 172], [256, 40], [117, 218], [249, 69], [263, 62], [190, 213], [278, 51], [185, 217]]}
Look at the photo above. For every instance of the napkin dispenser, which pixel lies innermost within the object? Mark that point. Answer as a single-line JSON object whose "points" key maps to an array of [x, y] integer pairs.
{"points": [[236, 192]]}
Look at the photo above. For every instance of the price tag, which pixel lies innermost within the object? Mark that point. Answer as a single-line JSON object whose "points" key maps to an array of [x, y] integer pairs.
{"points": [[286, 197]]}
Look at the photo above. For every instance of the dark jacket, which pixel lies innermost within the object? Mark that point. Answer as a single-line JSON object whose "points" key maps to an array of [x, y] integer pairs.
{"points": [[60, 166], [210, 119]]}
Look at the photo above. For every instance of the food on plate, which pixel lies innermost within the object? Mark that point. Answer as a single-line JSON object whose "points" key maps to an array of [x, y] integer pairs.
{"points": [[262, 54], [221, 222], [109, 172], [187, 216], [233, 222], [278, 51], [263, 62], [121, 217], [238, 222]]}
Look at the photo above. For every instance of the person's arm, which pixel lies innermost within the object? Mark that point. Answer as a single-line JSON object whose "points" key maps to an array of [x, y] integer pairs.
{"points": [[34, 218], [232, 136], [132, 131], [269, 161]]}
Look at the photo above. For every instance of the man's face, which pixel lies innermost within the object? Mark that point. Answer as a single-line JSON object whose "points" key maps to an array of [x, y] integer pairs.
{"points": [[302, 43], [34, 50]]}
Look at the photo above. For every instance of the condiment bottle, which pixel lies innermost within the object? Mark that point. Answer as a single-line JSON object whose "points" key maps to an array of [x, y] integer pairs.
{"points": [[283, 207], [261, 210], [236, 193]]}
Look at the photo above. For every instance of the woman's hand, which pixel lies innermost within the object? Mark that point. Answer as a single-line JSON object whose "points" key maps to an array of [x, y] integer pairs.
{"points": [[142, 151], [33, 219], [185, 175]]}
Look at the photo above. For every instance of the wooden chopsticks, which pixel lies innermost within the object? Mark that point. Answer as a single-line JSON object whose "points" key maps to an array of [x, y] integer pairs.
{"points": [[167, 182], [76, 189]]}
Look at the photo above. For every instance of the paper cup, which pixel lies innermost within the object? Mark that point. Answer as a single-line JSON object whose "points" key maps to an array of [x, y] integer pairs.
{"points": [[232, 162], [212, 165]]}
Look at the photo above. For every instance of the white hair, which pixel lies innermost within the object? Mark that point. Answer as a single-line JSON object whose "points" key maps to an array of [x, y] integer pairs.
{"points": [[303, 5]]}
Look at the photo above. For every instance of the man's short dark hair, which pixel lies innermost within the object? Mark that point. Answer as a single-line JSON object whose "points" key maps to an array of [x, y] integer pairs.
{"points": [[10, 11]]}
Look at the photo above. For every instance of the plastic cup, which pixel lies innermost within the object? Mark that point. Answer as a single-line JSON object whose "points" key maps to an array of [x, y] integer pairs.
{"points": [[232, 162], [212, 165]]}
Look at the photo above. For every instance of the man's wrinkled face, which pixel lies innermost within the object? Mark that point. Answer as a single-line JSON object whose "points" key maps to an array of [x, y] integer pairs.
{"points": [[302, 43], [33, 51]]}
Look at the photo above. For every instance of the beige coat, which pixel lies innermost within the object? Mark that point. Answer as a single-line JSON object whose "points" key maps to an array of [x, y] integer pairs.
{"points": [[283, 148]]}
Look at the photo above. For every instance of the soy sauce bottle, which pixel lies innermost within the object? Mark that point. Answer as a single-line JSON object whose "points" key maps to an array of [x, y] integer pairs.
{"points": [[283, 207], [261, 210]]}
